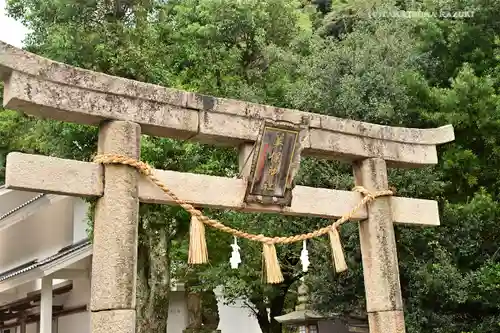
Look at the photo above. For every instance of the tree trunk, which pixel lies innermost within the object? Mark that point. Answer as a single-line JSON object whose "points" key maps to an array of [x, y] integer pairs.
{"points": [[203, 310], [269, 325], [276, 305], [210, 310], [153, 285], [263, 320], [276, 309]]}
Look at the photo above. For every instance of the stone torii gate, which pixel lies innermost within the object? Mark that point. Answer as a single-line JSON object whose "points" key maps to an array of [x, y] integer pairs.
{"points": [[123, 109]]}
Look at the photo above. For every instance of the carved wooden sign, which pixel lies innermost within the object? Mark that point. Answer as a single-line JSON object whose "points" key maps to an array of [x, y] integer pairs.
{"points": [[275, 164]]}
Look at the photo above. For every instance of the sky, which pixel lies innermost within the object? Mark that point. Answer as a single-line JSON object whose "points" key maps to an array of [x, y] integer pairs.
{"points": [[11, 31]]}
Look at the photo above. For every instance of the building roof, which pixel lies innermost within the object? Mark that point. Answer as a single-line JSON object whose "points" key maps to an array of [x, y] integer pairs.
{"points": [[12, 211], [300, 316], [61, 255], [28, 207]]}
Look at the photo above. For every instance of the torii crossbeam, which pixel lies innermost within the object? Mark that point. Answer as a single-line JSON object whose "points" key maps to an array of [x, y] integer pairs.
{"points": [[124, 108]]}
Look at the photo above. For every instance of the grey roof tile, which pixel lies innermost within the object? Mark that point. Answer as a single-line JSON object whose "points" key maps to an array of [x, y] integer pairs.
{"points": [[25, 267]]}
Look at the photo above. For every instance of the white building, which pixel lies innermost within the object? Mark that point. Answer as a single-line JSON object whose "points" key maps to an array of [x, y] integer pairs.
{"points": [[45, 260]]}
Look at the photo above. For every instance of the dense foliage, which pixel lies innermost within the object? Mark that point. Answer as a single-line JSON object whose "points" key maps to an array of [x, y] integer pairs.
{"points": [[333, 57]]}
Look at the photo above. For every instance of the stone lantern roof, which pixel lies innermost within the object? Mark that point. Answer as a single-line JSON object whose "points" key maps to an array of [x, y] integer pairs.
{"points": [[302, 313]]}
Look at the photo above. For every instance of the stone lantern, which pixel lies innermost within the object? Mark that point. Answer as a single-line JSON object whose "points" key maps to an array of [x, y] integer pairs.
{"points": [[302, 320]]}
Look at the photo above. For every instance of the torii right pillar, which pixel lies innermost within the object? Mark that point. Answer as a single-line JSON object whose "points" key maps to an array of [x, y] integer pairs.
{"points": [[384, 303]]}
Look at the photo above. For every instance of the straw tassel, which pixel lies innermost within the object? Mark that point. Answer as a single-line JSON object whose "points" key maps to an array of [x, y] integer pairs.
{"points": [[198, 253], [272, 266], [337, 251]]}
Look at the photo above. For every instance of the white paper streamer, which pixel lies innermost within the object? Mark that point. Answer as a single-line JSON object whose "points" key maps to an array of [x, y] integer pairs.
{"points": [[304, 257], [235, 255]]}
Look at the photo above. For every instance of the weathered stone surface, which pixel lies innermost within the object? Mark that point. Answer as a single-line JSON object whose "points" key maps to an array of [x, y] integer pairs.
{"points": [[200, 330], [336, 145], [431, 136], [86, 179], [112, 321], [378, 244], [219, 128], [49, 99], [388, 321], [53, 175], [245, 157], [114, 258], [50, 89], [410, 210], [13, 59]]}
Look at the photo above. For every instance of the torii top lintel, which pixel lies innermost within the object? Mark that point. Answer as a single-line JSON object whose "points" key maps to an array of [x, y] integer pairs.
{"points": [[49, 89]]}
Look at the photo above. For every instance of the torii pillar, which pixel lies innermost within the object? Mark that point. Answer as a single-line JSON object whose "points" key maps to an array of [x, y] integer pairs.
{"points": [[384, 303], [114, 258], [124, 108]]}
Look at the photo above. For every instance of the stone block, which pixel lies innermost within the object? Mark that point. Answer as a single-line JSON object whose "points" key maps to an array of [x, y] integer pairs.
{"points": [[115, 321], [46, 88], [86, 179], [114, 260], [378, 243], [389, 321], [54, 100], [67, 177]]}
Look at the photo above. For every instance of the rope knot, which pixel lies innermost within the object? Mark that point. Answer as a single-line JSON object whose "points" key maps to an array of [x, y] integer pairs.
{"points": [[144, 168], [370, 196], [264, 239], [362, 190]]}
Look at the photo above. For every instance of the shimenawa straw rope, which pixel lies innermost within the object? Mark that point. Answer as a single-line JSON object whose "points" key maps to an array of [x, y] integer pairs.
{"points": [[198, 253]]}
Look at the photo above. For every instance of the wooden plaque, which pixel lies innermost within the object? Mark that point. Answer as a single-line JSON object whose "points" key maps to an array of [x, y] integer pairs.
{"points": [[275, 163]]}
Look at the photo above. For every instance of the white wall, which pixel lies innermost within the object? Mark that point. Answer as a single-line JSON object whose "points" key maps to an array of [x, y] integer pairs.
{"points": [[80, 294], [30, 328], [233, 318], [236, 317], [177, 312], [74, 323], [43, 233], [80, 209], [40, 235], [80, 322]]}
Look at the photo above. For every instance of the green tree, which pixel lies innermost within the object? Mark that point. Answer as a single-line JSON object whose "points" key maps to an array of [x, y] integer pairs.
{"points": [[340, 61], [243, 49], [424, 73]]}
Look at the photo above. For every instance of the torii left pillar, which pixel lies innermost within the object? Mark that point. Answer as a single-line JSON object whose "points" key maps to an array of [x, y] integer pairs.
{"points": [[114, 261]]}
